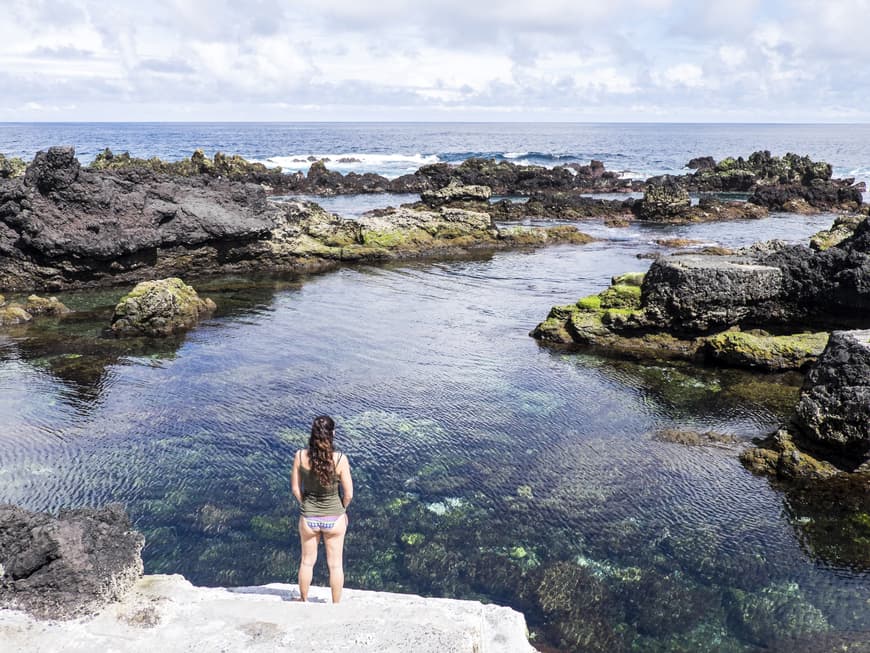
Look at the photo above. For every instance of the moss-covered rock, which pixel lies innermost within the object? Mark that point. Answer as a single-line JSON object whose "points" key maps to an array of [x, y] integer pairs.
{"points": [[628, 279], [159, 308], [621, 297], [544, 235], [780, 457], [843, 228], [45, 306], [13, 313], [223, 165], [760, 350], [11, 167], [664, 201]]}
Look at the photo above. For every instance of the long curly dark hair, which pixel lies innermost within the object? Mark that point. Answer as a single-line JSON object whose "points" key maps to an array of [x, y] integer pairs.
{"points": [[320, 449]]}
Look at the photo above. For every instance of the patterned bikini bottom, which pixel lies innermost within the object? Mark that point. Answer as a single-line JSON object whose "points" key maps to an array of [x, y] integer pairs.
{"points": [[322, 523]]}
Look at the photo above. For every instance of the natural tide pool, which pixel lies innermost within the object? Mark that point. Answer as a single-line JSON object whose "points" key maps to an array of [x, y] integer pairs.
{"points": [[486, 465]]}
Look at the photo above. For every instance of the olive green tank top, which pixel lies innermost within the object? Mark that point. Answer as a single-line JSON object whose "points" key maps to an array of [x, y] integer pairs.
{"points": [[319, 500]]}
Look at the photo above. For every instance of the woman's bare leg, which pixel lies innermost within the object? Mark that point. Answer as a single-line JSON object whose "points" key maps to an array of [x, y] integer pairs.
{"points": [[333, 541], [308, 539]]}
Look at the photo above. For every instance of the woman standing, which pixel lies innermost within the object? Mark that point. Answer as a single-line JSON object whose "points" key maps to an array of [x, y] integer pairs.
{"points": [[318, 472]]}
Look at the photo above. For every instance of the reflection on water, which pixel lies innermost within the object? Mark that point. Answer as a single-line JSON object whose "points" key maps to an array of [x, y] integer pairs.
{"points": [[486, 466]]}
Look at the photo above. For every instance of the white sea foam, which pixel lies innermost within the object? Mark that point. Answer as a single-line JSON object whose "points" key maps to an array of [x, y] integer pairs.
{"points": [[389, 164]]}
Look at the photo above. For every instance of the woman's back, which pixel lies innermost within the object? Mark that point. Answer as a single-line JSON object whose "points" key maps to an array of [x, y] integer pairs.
{"points": [[319, 500]]}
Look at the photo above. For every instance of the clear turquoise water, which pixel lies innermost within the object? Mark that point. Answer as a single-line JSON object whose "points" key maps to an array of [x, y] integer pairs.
{"points": [[486, 465]]}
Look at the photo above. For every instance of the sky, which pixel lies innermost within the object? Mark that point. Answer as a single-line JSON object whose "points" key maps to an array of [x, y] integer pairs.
{"points": [[451, 60]]}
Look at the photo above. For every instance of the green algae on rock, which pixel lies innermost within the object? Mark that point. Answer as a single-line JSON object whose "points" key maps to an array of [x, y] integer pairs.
{"points": [[11, 167], [844, 227], [761, 350], [231, 166], [159, 308], [37, 305], [13, 313]]}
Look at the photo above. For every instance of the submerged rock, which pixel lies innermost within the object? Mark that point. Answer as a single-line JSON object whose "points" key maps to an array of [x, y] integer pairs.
{"points": [[66, 566], [159, 308]]}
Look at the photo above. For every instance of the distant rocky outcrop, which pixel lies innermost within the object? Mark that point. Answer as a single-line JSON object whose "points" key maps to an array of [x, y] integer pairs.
{"points": [[63, 226], [455, 193], [159, 308], [777, 183], [66, 566]]}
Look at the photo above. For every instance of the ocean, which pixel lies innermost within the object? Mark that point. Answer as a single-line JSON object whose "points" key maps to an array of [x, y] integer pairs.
{"points": [[392, 149]]}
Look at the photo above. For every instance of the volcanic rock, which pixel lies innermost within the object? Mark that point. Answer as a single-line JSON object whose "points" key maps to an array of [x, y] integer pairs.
{"points": [[66, 566]]}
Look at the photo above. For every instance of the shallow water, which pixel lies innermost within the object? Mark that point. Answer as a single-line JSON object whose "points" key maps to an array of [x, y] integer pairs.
{"points": [[486, 465]]}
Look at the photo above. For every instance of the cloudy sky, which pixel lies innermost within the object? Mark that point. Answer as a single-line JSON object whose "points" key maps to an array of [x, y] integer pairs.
{"points": [[572, 60]]}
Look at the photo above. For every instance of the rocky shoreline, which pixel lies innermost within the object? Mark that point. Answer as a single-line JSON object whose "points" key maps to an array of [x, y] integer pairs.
{"points": [[769, 307], [74, 582], [64, 227]]}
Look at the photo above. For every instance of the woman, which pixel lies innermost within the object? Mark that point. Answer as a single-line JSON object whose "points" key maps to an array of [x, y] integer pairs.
{"points": [[318, 471]]}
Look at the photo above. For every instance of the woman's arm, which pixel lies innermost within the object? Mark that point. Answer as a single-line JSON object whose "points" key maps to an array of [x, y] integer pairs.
{"points": [[294, 483], [346, 482]]}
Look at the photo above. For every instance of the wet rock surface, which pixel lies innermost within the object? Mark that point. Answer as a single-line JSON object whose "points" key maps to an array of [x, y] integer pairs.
{"points": [[66, 566]]}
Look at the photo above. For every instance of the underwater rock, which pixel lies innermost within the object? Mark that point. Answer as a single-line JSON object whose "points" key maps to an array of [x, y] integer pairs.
{"points": [[694, 438], [159, 308], [66, 566], [776, 612]]}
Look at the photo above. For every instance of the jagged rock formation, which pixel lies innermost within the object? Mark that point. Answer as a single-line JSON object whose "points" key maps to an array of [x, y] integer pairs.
{"points": [[834, 408], [66, 566], [62, 227], [777, 183]]}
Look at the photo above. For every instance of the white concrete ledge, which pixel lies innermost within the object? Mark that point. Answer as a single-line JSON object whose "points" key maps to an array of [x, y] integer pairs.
{"points": [[164, 614]]}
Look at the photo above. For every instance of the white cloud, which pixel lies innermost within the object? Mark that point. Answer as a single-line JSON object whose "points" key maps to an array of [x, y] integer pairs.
{"points": [[644, 57]]}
